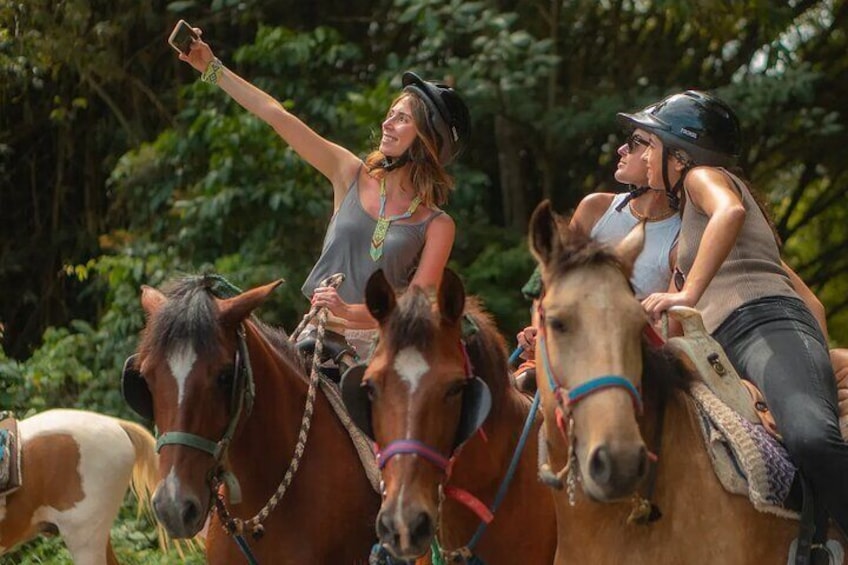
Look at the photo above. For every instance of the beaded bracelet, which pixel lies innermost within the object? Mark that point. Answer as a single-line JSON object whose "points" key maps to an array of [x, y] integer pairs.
{"points": [[213, 71]]}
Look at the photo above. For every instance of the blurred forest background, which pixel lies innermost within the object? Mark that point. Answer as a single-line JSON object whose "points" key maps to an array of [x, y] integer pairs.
{"points": [[119, 168]]}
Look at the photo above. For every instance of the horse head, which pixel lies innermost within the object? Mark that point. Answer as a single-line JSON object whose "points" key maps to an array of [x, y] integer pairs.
{"points": [[589, 352], [192, 378], [419, 401]]}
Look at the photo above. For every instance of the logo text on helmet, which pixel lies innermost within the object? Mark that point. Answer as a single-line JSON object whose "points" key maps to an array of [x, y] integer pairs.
{"points": [[689, 133]]}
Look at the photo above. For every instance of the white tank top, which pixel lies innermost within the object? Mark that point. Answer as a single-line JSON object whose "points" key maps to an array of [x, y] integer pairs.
{"points": [[651, 272]]}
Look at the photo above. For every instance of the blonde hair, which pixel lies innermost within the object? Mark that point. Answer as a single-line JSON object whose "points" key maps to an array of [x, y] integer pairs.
{"points": [[429, 178]]}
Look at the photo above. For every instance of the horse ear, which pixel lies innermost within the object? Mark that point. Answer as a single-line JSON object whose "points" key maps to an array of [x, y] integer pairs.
{"points": [[379, 296], [233, 311], [629, 248], [544, 233], [151, 299], [451, 297]]}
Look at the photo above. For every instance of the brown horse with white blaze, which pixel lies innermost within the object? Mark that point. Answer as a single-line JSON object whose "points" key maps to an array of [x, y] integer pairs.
{"points": [[592, 359], [76, 467], [227, 394], [426, 390]]}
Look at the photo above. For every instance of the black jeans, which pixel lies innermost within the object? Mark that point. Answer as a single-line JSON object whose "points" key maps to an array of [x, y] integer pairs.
{"points": [[776, 343]]}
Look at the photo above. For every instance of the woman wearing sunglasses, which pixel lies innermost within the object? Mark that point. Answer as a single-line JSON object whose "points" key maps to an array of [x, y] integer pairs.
{"points": [[734, 275], [608, 217]]}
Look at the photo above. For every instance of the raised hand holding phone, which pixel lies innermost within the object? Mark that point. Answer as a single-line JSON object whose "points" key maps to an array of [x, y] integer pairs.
{"points": [[181, 37]]}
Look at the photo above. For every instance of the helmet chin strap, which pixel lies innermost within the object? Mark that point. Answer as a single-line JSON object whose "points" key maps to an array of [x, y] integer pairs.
{"points": [[672, 192], [633, 191], [391, 163]]}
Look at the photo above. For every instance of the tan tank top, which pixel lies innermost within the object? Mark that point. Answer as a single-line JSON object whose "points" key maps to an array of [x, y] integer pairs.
{"points": [[752, 270]]}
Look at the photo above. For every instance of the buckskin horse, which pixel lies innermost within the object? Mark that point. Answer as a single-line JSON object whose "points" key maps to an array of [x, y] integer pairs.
{"points": [[426, 390], [76, 467], [590, 345], [228, 393]]}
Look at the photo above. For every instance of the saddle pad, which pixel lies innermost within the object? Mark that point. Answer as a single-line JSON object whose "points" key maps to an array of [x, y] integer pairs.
{"points": [[839, 359], [746, 458], [10, 456], [363, 445]]}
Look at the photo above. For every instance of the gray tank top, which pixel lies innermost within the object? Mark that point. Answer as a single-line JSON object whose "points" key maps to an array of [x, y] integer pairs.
{"points": [[752, 270], [652, 271], [346, 250]]}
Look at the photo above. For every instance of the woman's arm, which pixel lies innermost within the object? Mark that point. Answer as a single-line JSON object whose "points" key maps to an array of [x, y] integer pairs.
{"points": [[333, 161], [589, 211], [438, 243], [709, 190]]}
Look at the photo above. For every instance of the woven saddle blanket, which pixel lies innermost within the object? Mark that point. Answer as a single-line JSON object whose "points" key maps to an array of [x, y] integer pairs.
{"points": [[10, 454], [747, 459]]}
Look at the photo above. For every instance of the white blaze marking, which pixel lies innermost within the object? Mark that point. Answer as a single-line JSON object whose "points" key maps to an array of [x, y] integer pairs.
{"points": [[172, 484], [411, 366], [181, 359]]}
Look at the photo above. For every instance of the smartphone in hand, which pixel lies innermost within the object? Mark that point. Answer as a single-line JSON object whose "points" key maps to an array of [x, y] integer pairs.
{"points": [[182, 37]]}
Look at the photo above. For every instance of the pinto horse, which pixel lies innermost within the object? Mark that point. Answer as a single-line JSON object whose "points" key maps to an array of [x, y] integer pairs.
{"points": [[76, 467], [590, 346], [419, 400], [227, 394]]}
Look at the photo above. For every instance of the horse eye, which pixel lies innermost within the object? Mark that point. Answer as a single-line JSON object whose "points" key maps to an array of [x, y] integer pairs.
{"points": [[557, 325], [456, 388], [225, 377]]}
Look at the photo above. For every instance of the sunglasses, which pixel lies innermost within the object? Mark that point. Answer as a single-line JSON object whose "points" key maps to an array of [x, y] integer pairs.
{"points": [[633, 140], [679, 279]]}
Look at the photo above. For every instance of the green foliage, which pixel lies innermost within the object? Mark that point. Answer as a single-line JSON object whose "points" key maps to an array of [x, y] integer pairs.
{"points": [[124, 170]]}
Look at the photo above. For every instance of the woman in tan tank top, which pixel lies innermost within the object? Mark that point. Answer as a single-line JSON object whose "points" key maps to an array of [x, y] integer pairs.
{"points": [[733, 273]]}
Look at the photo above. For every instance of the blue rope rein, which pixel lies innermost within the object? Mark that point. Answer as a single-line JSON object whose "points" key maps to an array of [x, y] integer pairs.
{"points": [[510, 473]]}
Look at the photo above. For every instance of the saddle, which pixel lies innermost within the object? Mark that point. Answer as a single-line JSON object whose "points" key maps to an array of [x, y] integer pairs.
{"points": [[10, 455], [702, 354], [336, 354]]}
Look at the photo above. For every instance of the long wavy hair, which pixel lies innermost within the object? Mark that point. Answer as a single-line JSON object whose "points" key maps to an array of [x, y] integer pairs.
{"points": [[429, 178]]}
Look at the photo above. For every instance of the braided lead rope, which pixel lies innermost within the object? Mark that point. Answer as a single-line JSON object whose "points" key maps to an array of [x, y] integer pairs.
{"points": [[332, 281], [255, 523]]}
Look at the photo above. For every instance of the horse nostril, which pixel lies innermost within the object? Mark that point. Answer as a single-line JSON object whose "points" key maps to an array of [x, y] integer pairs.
{"points": [[421, 527], [190, 511], [385, 526], [600, 465]]}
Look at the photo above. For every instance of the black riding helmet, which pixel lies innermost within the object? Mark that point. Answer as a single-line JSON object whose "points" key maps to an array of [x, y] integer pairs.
{"points": [[700, 124], [446, 111]]}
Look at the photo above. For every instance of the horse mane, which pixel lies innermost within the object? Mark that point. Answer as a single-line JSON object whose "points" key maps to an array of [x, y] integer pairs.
{"points": [[580, 251], [415, 323], [663, 372], [190, 316], [487, 351]]}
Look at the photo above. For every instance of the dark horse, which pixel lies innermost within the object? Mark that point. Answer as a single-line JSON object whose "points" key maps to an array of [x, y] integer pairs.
{"points": [[200, 358], [590, 348], [436, 371]]}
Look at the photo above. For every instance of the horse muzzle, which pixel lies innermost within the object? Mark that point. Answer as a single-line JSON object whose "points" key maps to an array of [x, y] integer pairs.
{"points": [[611, 473], [181, 513], [406, 532]]}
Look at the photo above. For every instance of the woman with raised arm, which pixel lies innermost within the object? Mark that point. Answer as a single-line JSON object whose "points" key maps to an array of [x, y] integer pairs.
{"points": [[731, 271], [386, 211]]}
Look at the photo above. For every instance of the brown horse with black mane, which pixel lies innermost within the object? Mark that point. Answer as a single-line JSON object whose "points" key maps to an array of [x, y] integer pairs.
{"points": [[591, 358], [227, 394], [437, 372]]}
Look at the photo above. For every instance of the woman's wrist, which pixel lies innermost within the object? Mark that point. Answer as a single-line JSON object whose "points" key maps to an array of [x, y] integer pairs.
{"points": [[213, 71]]}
